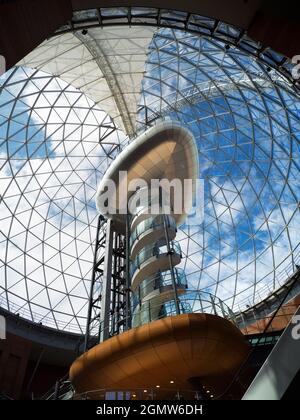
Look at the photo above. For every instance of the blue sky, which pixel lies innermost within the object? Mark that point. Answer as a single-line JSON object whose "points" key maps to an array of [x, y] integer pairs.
{"points": [[246, 123]]}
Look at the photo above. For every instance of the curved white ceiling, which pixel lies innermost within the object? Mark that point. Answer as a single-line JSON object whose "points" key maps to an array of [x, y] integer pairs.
{"points": [[106, 64]]}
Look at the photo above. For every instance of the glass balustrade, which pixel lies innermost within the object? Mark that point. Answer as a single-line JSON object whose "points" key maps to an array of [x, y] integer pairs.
{"points": [[191, 301], [155, 249], [152, 204], [152, 222], [158, 281]]}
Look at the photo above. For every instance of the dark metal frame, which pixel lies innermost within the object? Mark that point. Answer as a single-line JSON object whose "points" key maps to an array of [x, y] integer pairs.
{"points": [[118, 303], [109, 301], [192, 23], [95, 297]]}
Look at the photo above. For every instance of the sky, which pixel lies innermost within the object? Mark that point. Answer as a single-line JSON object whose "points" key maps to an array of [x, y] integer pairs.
{"points": [[51, 132], [246, 123]]}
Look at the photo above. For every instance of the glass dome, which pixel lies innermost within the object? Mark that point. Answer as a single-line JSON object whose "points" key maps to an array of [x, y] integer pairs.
{"points": [[55, 146], [56, 143], [245, 118]]}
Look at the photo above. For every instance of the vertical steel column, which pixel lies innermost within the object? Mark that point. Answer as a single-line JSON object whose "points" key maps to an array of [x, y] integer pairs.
{"points": [[107, 301], [118, 292], [97, 272], [106, 294], [114, 320], [177, 308], [128, 279]]}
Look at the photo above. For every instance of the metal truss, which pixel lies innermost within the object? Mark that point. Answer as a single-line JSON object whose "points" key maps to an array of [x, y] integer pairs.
{"points": [[55, 145], [188, 22], [109, 305], [95, 296]]}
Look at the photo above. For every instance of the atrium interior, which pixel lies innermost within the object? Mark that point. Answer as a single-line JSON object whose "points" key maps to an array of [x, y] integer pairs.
{"points": [[111, 304]]}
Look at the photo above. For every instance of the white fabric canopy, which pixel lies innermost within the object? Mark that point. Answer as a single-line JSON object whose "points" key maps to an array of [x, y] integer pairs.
{"points": [[105, 64]]}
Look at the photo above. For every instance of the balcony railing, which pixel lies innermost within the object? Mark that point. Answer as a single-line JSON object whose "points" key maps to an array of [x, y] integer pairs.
{"points": [[157, 393], [192, 301], [159, 281], [153, 250], [152, 222]]}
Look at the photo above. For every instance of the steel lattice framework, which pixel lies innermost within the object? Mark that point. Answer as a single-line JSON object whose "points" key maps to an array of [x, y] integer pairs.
{"points": [[55, 145], [245, 117], [195, 24], [243, 107]]}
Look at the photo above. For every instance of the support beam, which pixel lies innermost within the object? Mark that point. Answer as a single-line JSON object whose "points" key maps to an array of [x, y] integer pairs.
{"points": [[24, 24], [128, 279], [95, 296], [106, 294]]}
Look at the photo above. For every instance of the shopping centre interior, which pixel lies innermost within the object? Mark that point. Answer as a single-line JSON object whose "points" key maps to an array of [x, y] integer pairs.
{"points": [[119, 302]]}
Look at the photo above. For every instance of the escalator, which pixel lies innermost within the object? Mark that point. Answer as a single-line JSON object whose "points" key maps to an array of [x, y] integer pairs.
{"points": [[277, 377]]}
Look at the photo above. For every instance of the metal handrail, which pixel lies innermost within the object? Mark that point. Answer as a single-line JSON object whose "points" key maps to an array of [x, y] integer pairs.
{"points": [[280, 280], [191, 301], [60, 388], [158, 282], [239, 372], [37, 318], [144, 394], [40, 319], [153, 250], [153, 222]]}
